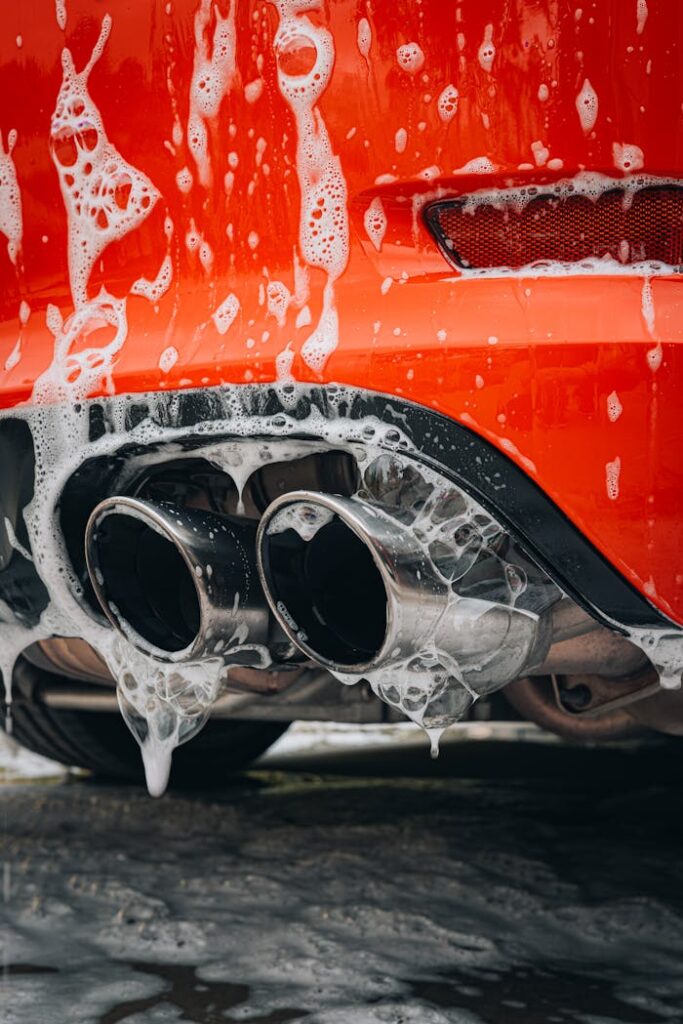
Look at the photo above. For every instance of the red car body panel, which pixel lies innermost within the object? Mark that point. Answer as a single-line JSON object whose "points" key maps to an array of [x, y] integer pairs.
{"points": [[536, 364]]}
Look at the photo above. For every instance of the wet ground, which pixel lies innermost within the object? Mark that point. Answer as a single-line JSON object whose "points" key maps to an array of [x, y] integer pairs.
{"points": [[509, 883]]}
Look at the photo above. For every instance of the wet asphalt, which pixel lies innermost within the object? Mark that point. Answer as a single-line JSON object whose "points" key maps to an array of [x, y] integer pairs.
{"points": [[507, 882]]}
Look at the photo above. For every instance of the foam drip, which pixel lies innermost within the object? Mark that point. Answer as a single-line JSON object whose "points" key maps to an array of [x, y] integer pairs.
{"points": [[364, 39], [213, 75], [11, 223], [305, 55], [612, 475], [225, 314], [447, 104], [487, 51], [60, 13], [162, 705], [375, 223], [641, 16], [410, 57], [587, 106], [157, 288]]}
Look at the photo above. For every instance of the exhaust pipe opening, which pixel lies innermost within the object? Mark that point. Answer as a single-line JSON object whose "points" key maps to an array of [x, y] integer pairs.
{"points": [[357, 591], [180, 583], [329, 586], [144, 579]]}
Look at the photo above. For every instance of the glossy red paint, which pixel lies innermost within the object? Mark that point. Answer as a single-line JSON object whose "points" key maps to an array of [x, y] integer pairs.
{"points": [[529, 363]]}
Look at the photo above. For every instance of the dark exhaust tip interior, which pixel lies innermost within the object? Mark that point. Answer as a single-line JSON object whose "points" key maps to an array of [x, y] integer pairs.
{"points": [[332, 589], [146, 578]]}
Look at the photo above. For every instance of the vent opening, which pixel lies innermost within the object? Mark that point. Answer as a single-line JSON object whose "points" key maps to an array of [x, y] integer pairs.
{"points": [[515, 229]]}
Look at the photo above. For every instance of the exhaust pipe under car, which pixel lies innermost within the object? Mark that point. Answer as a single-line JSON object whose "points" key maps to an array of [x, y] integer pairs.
{"points": [[180, 583], [355, 591]]}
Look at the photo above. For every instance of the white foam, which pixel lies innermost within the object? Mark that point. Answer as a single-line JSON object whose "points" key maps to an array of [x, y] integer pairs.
{"points": [[614, 407], [587, 106], [184, 180], [279, 299], [323, 220], [168, 359], [641, 15], [283, 364], [487, 50], [410, 57], [105, 197], [612, 476], [654, 357], [364, 39], [627, 157], [213, 74], [156, 289], [224, 316], [447, 103], [253, 90], [60, 13], [375, 223], [11, 222], [648, 307], [540, 152]]}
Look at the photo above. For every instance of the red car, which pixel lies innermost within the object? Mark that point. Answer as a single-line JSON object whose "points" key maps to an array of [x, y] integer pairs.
{"points": [[340, 342]]}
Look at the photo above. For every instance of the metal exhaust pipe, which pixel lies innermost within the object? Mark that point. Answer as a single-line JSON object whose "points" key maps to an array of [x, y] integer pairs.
{"points": [[355, 591], [180, 584]]}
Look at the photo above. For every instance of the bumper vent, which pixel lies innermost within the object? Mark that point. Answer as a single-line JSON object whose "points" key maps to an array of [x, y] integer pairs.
{"points": [[517, 228]]}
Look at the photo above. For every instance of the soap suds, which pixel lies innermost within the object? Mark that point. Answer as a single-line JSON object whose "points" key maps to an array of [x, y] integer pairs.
{"points": [[11, 223], [410, 57], [105, 198], [648, 307], [627, 157], [614, 407], [447, 103], [401, 140], [224, 316], [641, 15], [612, 476], [487, 50], [375, 223], [587, 107], [168, 359], [156, 289], [323, 221], [364, 40], [213, 75]]}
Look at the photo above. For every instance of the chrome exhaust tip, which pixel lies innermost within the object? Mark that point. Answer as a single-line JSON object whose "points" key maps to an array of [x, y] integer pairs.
{"points": [[355, 591], [180, 584]]}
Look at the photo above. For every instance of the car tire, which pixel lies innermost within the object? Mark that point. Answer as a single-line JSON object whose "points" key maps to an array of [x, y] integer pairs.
{"points": [[101, 742]]}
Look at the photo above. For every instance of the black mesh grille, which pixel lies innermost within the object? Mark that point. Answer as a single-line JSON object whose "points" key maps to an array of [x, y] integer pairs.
{"points": [[628, 227]]}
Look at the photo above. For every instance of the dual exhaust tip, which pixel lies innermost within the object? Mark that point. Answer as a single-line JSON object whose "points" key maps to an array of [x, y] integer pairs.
{"points": [[349, 587]]}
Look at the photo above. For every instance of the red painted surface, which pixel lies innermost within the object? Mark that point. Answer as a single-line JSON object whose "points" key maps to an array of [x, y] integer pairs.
{"points": [[528, 363]]}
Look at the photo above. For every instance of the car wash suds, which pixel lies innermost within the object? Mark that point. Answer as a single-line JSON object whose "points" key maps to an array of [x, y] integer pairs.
{"points": [[530, 893]]}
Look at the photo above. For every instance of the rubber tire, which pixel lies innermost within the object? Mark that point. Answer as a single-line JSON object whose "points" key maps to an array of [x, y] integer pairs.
{"points": [[102, 743]]}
